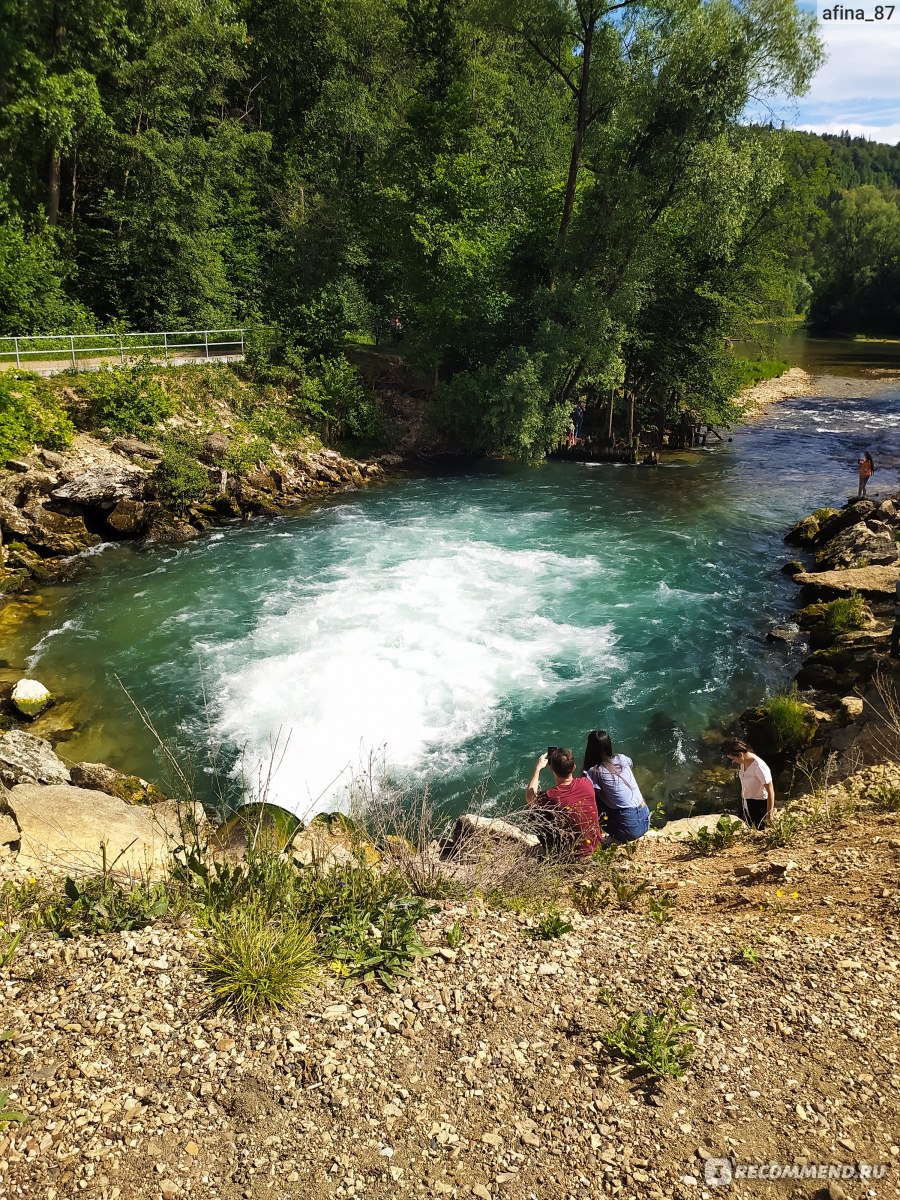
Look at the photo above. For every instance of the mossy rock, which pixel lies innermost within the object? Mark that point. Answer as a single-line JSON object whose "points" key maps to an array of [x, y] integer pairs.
{"points": [[821, 676], [804, 533], [768, 739], [811, 615]]}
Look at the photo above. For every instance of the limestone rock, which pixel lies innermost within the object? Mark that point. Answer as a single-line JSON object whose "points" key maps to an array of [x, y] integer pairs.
{"points": [[128, 517], [30, 697], [859, 546], [852, 707], [25, 758], [13, 523], [67, 827], [687, 826], [783, 633], [804, 533], [871, 581], [134, 446], [473, 828], [852, 514], [54, 533], [332, 840], [215, 448], [102, 487], [130, 788]]}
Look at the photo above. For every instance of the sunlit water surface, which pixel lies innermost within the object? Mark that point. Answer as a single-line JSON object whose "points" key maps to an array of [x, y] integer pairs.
{"points": [[447, 628]]}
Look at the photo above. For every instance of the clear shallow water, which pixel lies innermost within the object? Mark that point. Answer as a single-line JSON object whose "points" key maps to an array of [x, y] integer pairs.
{"points": [[450, 627]]}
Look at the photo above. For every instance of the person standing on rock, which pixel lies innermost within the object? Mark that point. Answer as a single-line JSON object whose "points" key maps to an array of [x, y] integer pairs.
{"points": [[757, 789], [866, 471], [619, 799], [565, 816]]}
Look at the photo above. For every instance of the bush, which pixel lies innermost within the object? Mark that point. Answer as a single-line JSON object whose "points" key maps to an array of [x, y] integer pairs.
{"points": [[128, 399], [180, 479], [791, 724], [30, 414], [550, 926], [843, 615], [256, 963]]}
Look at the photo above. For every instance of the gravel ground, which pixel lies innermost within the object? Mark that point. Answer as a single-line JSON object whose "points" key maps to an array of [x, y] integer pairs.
{"points": [[486, 1075]]}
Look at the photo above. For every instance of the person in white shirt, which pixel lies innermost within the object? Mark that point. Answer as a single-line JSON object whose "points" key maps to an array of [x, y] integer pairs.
{"points": [[757, 790]]}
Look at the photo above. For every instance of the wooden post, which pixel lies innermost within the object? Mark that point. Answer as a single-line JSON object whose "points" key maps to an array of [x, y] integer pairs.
{"points": [[72, 346]]}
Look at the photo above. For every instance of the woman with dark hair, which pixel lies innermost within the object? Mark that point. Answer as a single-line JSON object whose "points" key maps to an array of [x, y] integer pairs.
{"points": [[619, 798], [757, 789], [866, 470]]}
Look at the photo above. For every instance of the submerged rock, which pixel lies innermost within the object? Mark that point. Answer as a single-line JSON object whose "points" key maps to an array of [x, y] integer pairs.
{"points": [[30, 697], [25, 758]]}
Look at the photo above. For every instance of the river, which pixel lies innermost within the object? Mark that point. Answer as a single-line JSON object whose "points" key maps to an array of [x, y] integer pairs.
{"points": [[443, 629]]}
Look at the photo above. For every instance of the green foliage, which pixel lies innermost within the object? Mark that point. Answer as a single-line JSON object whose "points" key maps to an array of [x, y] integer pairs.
{"points": [[591, 897], [783, 829], [100, 905], [627, 889], [10, 1115], [843, 615], [180, 480], [749, 955], [127, 399], [660, 909], [257, 963], [455, 935], [750, 371], [30, 414], [721, 836], [884, 797], [550, 926], [655, 1039], [9, 944], [789, 721]]}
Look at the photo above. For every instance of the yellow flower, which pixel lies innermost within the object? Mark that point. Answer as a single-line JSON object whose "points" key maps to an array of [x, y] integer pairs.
{"points": [[779, 892], [796, 895]]}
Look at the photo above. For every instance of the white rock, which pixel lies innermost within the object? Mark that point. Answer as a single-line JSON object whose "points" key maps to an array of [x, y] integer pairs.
{"points": [[30, 697]]}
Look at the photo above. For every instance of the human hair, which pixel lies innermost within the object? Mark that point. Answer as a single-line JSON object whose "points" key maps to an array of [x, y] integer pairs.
{"points": [[598, 749], [870, 460], [733, 746], [562, 762]]}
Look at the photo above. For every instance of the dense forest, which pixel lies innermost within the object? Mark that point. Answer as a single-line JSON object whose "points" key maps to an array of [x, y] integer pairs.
{"points": [[555, 197]]}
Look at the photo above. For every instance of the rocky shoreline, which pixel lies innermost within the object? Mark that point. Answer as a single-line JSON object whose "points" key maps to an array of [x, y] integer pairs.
{"points": [[55, 507]]}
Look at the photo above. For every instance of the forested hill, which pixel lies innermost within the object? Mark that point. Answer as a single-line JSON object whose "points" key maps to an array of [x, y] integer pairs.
{"points": [[855, 161], [554, 196]]}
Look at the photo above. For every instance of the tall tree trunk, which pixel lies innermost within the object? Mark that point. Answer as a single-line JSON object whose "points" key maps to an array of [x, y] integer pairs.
{"points": [[53, 184], [609, 426], [581, 124], [74, 200]]}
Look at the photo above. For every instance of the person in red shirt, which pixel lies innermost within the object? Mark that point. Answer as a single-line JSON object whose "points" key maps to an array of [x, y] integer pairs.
{"points": [[567, 821]]}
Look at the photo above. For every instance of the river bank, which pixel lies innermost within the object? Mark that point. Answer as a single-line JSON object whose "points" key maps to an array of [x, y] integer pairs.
{"points": [[489, 1072]]}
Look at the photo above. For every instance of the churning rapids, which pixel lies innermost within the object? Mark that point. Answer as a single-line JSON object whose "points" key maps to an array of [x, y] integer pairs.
{"points": [[447, 628]]}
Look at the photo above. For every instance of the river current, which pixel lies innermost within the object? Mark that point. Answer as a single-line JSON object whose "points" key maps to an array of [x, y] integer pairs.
{"points": [[444, 629]]}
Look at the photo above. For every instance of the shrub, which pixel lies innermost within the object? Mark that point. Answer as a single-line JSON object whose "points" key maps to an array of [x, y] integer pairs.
{"points": [[844, 615], [179, 479], [256, 963], [710, 840], [128, 399], [655, 1039], [790, 722], [884, 797], [30, 414]]}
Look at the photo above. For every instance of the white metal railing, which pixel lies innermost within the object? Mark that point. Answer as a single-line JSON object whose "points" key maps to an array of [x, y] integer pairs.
{"points": [[74, 349]]}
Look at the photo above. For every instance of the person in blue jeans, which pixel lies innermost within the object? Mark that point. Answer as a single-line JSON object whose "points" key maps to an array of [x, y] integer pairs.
{"points": [[619, 799]]}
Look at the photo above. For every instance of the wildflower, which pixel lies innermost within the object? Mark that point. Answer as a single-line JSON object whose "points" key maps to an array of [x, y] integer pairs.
{"points": [[795, 895], [779, 892]]}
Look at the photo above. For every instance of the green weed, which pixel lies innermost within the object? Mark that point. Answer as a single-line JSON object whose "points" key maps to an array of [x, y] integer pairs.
{"points": [[749, 954], [655, 1039], [455, 935], [101, 905], [9, 944], [883, 797], [790, 721], [127, 399], [591, 898], [30, 414], [710, 840], [626, 890], [550, 926], [9, 1115], [660, 909], [783, 828]]}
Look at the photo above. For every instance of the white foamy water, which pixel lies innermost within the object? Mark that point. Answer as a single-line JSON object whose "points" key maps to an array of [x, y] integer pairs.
{"points": [[410, 655]]}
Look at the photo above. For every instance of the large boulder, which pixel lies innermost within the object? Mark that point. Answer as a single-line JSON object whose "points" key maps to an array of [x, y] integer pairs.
{"points": [[102, 487], [78, 831], [53, 533], [674, 831], [129, 518], [25, 758], [333, 840], [30, 697], [13, 523], [859, 546], [844, 518], [473, 832]]}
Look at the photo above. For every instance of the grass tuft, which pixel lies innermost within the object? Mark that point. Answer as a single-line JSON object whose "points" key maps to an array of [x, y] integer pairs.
{"points": [[256, 964]]}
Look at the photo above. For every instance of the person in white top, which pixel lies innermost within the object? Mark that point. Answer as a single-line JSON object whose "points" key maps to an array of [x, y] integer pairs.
{"points": [[757, 789]]}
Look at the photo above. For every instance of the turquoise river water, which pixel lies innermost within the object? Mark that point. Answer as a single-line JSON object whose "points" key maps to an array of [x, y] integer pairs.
{"points": [[446, 628]]}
